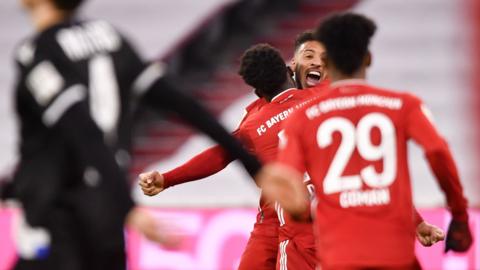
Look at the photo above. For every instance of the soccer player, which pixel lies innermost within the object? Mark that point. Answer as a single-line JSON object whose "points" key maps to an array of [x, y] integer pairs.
{"points": [[77, 84], [352, 142], [308, 62], [262, 65]]}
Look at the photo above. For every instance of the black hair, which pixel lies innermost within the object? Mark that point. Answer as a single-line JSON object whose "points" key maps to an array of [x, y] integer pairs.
{"points": [[346, 38], [263, 68], [305, 36], [67, 5]]}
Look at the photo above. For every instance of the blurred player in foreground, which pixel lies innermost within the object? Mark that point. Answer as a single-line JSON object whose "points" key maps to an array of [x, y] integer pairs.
{"points": [[352, 142], [77, 84]]}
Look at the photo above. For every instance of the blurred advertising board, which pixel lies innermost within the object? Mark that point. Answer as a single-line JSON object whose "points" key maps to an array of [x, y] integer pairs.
{"points": [[215, 238]]}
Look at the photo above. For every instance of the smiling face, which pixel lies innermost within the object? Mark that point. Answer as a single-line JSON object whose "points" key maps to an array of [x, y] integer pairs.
{"points": [[309, 63]]}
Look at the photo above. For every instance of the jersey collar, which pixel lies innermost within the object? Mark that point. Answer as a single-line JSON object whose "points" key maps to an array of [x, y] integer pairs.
{"points": [[281, 94]]}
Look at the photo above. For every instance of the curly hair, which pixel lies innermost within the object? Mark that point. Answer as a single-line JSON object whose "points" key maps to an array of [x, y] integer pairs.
{"points": [[305, 36], [67, 5], [263, 68], [346, 38]]}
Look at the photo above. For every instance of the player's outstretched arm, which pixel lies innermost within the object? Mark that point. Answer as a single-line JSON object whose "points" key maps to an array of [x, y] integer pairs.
{"points": [[202, 165], [162, 94], [207, 163]]}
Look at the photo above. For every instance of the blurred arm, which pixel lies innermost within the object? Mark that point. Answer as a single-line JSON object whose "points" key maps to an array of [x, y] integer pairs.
{"points": [[282, 181], [163, 95]]}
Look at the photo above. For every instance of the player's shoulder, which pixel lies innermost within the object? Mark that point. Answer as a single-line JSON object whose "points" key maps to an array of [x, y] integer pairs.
{"points": [[255, 105], [407, 98], [289, 97], [251, 110], [79, 40]]}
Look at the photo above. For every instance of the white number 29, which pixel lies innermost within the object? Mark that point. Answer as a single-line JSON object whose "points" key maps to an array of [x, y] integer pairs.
{"points": [[360, 137]]}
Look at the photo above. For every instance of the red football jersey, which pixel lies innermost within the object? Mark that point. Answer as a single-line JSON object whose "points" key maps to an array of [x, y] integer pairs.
{"points": [[352, 140], [260, 134]]}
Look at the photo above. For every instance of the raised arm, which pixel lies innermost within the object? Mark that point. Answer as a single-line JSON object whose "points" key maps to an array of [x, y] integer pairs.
{"points": [[202, 165]]}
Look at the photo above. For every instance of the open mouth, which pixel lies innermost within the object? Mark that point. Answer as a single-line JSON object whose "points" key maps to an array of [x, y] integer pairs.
{"points": [[313, 78]]}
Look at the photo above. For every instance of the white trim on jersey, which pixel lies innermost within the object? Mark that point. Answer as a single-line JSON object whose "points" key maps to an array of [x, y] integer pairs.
{"points": [[63, 102], [283, 255], [148, 76], [280, 215]]}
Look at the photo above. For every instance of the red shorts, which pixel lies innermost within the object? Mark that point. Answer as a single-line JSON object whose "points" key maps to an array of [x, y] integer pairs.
{"points": [[261, 250], [294, 254]]}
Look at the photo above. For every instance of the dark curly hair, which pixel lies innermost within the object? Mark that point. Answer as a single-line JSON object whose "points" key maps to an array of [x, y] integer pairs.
{"points": [[346, 38], [67, 5], [305, 36], [263, 68]]}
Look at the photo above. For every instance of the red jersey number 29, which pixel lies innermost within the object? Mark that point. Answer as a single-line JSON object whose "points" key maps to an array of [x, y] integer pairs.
{"points": [[359, 137]]}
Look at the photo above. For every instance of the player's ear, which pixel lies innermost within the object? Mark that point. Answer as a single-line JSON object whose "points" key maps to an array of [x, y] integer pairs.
{"points": [[293, 64], [368, 59]]}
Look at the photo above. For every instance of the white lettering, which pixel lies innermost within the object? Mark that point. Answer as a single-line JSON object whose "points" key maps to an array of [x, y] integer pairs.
{"points": [[261, 129], [346, 103], [373, 197], [80, 42]]}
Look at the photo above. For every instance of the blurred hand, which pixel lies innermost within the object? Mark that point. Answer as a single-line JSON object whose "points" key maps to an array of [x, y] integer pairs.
{"points": [[459, 237], [428, 234], [151, 183], [152, 229], [285, 185]]}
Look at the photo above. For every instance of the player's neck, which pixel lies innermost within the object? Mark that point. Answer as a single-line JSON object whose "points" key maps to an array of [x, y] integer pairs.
{"points": [[287, 85], [45, 16], [338, 76]]}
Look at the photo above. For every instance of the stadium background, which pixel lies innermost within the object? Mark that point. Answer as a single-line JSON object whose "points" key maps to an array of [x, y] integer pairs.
{"points": [[428, 47]]}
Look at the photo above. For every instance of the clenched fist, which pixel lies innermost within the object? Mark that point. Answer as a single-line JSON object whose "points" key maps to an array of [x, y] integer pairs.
{"points": [[151, 183], [428, 234]]}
